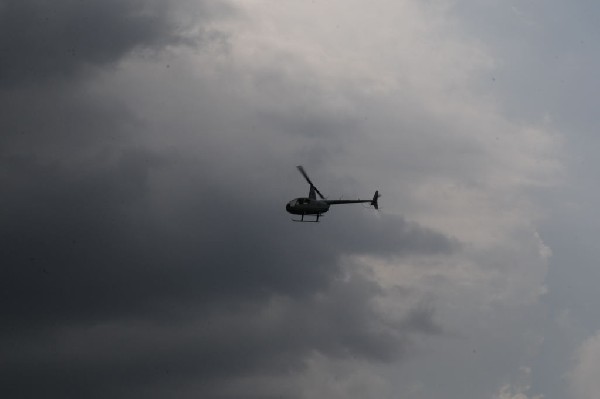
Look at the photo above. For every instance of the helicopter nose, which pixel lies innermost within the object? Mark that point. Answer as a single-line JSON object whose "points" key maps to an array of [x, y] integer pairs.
{"points": [[288, 207]]}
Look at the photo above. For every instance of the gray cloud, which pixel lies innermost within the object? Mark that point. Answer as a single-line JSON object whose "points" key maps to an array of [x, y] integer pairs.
{"points": [[97, 227], [109, 292], [42, 40], [102, 298], [208, 348], [131, 270]]}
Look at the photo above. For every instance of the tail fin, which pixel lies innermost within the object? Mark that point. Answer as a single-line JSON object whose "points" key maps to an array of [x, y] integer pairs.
{"points": [[375, 202]]}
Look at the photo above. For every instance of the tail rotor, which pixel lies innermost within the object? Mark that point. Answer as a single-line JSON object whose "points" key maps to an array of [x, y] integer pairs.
{"points": [[375, 201]]}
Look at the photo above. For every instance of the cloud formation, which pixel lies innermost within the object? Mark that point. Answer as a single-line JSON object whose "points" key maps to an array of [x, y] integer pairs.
{"points": [[43, 41], [148, 151], [121, 276], [583, 380]]}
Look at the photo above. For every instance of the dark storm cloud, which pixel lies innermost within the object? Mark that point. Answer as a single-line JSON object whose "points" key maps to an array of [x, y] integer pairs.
{"points": [[49, 48], [42, 39], [99, 225], [84, 249], [129, 271], [60, 123], [208, 349]]}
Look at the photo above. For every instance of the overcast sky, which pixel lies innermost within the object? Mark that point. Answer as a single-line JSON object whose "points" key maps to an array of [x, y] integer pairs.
{"points": [[148, 149]]}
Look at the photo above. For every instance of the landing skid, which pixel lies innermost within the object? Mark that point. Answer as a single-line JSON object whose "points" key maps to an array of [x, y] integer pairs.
{"points": [[307, 221]]}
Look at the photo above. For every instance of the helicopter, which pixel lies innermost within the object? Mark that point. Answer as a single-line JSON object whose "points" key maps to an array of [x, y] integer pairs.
{"points": [[313, 206]]}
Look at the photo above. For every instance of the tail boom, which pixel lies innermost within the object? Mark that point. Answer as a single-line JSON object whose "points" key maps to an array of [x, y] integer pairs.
{"points": [[373, 202]]}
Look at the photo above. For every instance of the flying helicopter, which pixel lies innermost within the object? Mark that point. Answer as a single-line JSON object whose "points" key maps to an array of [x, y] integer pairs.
{"points": [[313, 206]]}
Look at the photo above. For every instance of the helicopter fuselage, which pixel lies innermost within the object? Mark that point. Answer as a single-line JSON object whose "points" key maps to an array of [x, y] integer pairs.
{"points": [[307, 206]]}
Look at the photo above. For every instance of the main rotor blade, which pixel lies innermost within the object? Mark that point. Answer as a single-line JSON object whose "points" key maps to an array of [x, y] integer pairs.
{"points": [[301, 169], [303, 172]]}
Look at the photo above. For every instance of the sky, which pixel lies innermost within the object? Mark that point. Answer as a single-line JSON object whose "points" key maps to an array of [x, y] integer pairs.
{"points": [[148, 149]]}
